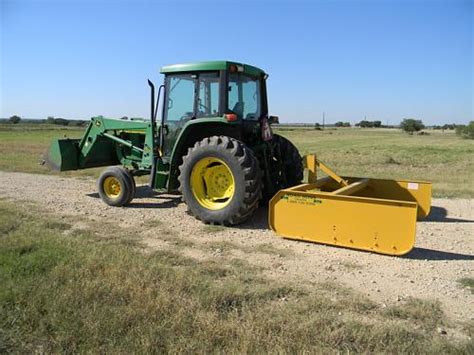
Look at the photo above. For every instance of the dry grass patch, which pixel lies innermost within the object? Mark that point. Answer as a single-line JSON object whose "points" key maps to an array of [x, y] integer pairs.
{"points": [[427, 314]]}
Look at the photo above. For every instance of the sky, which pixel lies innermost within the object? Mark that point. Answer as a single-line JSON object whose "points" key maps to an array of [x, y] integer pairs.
{"points": [[379, 60]]}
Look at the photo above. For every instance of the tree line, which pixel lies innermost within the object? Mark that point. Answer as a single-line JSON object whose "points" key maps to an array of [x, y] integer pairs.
{"points": [[409, 125], [15, 119]]}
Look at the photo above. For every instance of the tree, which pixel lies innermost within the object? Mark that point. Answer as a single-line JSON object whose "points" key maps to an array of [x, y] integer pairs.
{"points": [[124, 118], [339, 124], [449, 126], [346, 124], [77, 123], [15, 119], [365, 124], [411, 125], [466, 131], [369, 124], [50, 120], [61, 121]]}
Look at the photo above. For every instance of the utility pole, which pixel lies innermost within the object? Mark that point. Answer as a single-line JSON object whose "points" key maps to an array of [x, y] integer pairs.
{"points": [[323, 119]]}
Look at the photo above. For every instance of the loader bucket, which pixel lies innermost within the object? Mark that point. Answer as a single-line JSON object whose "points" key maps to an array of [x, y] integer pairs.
{"points": [[63, 154], [368, 214]]}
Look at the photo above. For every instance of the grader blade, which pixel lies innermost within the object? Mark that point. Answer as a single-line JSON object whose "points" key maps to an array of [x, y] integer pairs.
{"points": [[360, 213]]}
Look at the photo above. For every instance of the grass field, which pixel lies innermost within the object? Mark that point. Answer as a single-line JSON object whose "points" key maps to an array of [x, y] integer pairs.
{"points": [[440, 157], [23, 147], [95, 290]]}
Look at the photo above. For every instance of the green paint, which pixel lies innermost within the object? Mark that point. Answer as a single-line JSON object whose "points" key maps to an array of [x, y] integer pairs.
{"points": [[209, 66], [131, 142]]}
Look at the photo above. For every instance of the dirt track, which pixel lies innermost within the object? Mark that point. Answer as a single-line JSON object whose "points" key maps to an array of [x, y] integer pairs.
{"points": [[444, 249]]}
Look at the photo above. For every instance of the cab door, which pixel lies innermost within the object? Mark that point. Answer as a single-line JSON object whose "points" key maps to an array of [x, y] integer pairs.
{"points": [[179, 108], [187, 97]]}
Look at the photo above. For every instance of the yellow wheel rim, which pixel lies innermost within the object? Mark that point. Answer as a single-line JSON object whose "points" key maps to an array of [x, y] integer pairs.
{"points": [[112, 187], [212, 183]]}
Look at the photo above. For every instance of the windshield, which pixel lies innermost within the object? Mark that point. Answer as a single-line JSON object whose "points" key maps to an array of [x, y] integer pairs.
{"points": [[244, 96]]}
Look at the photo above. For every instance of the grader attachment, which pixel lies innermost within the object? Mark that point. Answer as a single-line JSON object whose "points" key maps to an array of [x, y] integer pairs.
{"points": [[375, 215]]}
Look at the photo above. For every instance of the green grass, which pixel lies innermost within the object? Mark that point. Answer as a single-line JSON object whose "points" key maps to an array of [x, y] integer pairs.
{"points": [[467, 282], [440, 157], [212, 229], [23, 147], [81, 292]]}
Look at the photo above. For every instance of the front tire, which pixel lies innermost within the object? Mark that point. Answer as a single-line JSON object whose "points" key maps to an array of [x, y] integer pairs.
{"points": [[220, 181], [115, 187]]}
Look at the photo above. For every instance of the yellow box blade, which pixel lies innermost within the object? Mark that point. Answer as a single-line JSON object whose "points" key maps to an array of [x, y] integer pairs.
{"points": [[372, 224]]}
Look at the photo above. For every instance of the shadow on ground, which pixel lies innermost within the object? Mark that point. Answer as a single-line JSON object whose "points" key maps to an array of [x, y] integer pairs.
{"points": [[430, 254], [142, 192], [440, 214]]}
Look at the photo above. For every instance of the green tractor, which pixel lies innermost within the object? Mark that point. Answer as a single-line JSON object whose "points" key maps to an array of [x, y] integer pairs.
{"points": [[213, 143]]}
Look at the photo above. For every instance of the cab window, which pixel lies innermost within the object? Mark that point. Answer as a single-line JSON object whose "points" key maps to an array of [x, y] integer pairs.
{"points": [[180, 97], [244, 96], [208, 100]]}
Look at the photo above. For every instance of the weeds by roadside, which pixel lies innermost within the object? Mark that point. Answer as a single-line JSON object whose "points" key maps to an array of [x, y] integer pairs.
{"points": [[468, 283]]}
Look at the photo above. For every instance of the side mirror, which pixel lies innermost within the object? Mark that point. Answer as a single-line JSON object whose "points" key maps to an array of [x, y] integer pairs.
{"points": [[273, 120]]}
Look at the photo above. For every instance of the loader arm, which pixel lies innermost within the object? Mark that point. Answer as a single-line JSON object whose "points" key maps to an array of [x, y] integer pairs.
{"points": [[105, 142]]}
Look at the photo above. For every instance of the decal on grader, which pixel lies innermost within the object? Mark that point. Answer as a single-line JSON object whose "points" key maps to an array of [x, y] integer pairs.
{"points": [[214, 144]]}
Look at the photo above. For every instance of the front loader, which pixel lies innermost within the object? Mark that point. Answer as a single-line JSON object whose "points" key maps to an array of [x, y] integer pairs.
{"points": [[212, 142]]}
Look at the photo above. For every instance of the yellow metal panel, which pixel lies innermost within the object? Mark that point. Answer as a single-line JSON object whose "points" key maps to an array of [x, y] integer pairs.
{"points": [[331, 173], [310, 164], [377, 225], [352, 188], [405, 190]]}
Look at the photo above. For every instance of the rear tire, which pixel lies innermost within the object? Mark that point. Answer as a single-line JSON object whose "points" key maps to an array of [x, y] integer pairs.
{"points": [[115, 187], [292, 161], [220, 181], [287, 169]]}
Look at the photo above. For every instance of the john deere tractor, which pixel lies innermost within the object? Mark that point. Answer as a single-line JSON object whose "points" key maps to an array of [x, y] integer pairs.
{"points": [[212, 142]]}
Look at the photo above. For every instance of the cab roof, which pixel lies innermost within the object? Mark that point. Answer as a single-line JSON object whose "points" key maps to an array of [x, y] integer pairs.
{"points": [[210, 66]]}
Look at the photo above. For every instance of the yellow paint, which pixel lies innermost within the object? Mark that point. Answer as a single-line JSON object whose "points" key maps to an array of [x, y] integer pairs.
{"points": [[212, 183], [309, 162], [112, 187], [368, 214]]}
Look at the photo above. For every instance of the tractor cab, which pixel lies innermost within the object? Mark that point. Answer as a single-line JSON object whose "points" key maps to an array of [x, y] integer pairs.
{"points": [[217, 92]]}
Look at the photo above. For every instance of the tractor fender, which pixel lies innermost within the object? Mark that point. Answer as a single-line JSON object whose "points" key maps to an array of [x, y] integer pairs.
{"points": [[194, 131]]}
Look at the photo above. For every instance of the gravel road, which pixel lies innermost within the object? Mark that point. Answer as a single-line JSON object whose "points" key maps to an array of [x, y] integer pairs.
{"points": [[444, 250]]}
